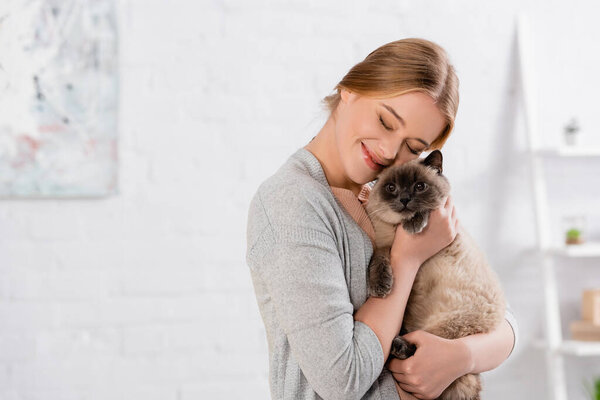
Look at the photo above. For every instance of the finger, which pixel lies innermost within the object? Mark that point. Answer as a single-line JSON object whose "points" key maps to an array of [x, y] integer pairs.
{"points": [[393, 364], [449, 203], [399, 377], [394, 370], [414, 337], [396, 367], [435, 211], [446, 200], [407, 388]]}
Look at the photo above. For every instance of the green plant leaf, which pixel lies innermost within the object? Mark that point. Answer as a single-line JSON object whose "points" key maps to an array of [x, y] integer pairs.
{"points": [[592, 388]]}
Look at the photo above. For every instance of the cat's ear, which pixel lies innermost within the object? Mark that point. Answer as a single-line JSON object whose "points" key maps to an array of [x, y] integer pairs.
{"points": [[434, 160]]}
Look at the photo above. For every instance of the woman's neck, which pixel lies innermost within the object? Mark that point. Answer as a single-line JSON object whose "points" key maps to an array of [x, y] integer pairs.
{"points": [[324, 148]]}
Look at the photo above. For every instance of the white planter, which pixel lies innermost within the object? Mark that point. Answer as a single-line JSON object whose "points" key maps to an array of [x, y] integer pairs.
{"points": [[571, 139]]}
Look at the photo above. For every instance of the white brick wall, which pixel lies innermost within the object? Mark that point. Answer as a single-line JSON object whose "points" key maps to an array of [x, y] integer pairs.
{"points": [[146, 295]]}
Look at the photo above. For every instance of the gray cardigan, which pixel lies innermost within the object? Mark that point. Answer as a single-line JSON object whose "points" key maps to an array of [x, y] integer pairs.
{"points": [[308, 261]]}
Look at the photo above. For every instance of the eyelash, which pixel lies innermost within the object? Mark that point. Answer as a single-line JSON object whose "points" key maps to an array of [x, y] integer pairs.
{"points": [[389, 129], [412, 151], [382, 123]]}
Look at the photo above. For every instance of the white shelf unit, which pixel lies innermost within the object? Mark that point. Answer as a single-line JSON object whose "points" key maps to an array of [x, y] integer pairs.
{"points": [[554, 345], [573, 348], [589, 249], [570, 152]]}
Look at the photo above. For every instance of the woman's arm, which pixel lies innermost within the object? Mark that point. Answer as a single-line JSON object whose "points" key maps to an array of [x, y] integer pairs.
{"points": [[384, 315], [453, 358], [488, 350]]}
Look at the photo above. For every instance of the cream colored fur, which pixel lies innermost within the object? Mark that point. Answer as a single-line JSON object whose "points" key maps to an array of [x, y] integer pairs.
{"points": [[455, 293]]}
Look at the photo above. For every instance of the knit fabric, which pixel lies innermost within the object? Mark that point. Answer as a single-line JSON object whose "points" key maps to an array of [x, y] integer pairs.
{"points": [[356, 207]]}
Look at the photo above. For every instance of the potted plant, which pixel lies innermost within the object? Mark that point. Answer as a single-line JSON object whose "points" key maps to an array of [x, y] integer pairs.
{"points": [[574, 236], [573, 227], [571, 130]]}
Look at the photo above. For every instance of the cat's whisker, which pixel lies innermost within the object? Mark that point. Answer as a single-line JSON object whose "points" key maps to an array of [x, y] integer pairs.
{"points": [[378, 210], [382, 208]]}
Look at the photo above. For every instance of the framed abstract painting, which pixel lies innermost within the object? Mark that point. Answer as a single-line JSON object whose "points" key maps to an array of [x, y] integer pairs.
{"points": [[58, 98]]}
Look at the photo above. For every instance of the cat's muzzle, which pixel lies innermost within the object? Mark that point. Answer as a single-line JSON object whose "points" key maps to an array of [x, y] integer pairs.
{"points": [[404, 212]]}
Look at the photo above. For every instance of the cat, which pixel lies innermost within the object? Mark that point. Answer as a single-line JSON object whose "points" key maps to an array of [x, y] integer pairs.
{"points": [[455, 292]]}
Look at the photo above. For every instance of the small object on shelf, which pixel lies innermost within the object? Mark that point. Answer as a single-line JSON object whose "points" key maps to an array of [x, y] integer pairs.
{"points": [[589, 328], [574, 229], [571, 131], [574, 236], [590, 306], [585, 330]]}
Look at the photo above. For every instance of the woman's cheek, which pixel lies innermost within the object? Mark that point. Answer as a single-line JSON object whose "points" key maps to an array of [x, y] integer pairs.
{"points": [[401, 159]]}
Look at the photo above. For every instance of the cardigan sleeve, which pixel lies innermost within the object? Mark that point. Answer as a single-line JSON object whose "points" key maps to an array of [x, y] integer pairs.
{"points": [[300, 265]]}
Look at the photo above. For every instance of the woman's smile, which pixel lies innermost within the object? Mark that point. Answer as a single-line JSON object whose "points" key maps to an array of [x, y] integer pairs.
{"points": [[369, 160]]}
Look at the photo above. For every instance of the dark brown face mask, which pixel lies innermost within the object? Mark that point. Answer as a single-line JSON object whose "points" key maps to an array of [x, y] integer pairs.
{"points": [[411, 191]]}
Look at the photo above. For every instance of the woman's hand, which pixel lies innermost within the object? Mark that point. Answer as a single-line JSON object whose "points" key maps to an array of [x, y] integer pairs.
{"points": [[434, 366], [439, 233], [404, 395]]}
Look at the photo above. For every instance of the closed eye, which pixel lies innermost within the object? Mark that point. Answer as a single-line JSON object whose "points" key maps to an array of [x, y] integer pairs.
{"points": [[383, 123], [412, 151]]}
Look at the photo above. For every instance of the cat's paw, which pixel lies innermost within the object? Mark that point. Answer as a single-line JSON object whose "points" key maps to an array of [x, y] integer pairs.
{"points": [[415, 224], [380, 277], [402, 349], [381, 288]]}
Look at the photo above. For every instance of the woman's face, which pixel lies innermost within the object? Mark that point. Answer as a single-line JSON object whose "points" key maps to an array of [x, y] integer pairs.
{"points": [[393, 130]]}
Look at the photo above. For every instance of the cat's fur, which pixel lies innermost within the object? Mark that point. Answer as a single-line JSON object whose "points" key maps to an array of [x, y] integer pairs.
{"points": [[455, 292]]}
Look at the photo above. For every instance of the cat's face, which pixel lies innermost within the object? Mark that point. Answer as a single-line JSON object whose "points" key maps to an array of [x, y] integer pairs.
{"points": [[403, 190]]}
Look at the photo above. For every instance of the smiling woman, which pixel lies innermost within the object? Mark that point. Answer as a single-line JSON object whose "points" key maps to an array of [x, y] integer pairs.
{"points": [[361, 122], [310, 240]]}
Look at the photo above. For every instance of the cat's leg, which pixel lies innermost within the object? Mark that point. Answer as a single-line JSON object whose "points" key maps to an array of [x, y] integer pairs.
{"points": [[402, 349], [467, 387], [380, 273], [417, 223]]}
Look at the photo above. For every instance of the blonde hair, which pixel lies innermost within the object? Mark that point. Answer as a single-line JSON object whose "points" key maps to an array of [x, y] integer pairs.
{"points": [[400, 67]]}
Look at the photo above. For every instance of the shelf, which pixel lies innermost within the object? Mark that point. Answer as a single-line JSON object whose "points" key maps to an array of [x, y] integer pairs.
{"points": [[588, 249], [574, 348], [573, 151]]}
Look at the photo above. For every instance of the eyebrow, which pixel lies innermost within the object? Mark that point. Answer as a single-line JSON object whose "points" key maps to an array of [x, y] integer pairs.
{"points": [[399, 118]]}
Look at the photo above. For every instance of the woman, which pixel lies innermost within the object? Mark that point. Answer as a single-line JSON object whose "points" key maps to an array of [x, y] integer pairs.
{"points": [[310, 241]]}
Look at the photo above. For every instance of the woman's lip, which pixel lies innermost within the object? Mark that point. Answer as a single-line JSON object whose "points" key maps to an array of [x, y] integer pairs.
{"points": [[369, 160], [374, 156]]}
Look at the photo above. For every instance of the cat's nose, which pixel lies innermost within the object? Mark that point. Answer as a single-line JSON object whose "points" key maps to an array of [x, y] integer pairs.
{"points": [[405, 201]]}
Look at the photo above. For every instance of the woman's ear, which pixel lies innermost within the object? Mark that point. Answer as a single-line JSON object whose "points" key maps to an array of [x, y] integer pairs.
{"points": [[344, 94], [347, 96]]}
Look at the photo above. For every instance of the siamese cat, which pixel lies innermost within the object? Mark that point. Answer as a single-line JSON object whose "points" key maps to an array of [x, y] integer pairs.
{"points": [[455, 292]]}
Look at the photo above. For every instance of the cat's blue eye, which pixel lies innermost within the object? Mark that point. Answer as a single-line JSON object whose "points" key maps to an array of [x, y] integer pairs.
{"points": [[383, 123], [390, 187]]}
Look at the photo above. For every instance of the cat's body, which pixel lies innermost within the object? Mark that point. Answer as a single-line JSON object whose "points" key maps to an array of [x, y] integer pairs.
{"points": [[455, 292]]}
